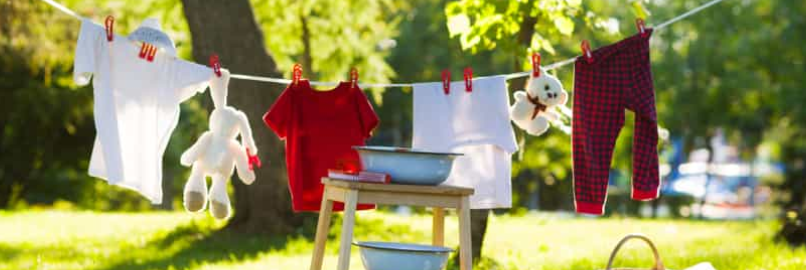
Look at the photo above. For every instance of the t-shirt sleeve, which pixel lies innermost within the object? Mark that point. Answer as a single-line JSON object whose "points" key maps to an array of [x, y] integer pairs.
{"points": [[88, 48], [278, 118], [366, 114], [189, 78]]}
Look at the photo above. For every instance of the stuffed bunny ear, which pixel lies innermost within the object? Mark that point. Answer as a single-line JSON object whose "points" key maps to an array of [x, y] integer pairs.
{"points": [[219, 88]]}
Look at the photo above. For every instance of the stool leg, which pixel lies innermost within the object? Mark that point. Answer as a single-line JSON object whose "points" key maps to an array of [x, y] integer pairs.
{"points": [[347, 229], [438, 227], [322, 228], [465, 246]]}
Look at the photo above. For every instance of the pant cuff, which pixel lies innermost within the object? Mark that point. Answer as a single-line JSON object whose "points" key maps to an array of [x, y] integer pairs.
{"points": [[643, 195], [590, 208]]}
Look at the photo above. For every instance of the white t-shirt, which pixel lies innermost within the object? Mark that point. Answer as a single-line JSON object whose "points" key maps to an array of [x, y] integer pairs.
{"points": [[476, 124], [136, 106]]}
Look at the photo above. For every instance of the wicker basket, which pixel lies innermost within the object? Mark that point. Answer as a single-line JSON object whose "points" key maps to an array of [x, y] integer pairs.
{"points": [[658, 263]]}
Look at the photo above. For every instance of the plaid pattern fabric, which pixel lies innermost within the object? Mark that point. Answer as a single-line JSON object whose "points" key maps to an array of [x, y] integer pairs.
{"points": [[619, 77]]}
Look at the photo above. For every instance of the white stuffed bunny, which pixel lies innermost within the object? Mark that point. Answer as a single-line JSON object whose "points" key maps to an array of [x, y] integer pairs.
{"points": [[216, 153], [532, 110]]}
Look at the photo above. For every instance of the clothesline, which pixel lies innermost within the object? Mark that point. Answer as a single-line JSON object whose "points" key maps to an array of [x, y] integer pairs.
{"points": [[509, 76]]}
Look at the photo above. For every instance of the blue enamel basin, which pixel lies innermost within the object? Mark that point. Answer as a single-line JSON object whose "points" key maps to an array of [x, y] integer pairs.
{"points": [[400, 256], [407, 166]]}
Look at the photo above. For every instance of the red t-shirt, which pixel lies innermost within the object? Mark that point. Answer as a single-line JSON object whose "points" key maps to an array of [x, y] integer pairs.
{"points": [[320, 128]]}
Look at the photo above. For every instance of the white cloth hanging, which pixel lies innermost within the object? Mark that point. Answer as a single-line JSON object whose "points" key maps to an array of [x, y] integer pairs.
{"points": [[136, 106], [476, 124]]}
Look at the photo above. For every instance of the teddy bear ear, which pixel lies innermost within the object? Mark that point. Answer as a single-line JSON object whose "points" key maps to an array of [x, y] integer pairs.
{"points": [[520, 95], [563, 97]]}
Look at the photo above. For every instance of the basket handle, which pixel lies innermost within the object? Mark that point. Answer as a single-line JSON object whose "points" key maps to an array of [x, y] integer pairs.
{"points": [[658, 263]]}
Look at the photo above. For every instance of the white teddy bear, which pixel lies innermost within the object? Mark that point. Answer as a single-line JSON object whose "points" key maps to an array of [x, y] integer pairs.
{"points": [[532, 110], [217, 153]]}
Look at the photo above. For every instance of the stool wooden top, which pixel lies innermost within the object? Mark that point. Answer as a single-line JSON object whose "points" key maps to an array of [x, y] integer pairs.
{"points": [[363, 186]]}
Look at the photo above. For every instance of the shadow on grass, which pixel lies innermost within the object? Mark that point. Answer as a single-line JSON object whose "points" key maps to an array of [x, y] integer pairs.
{"points": [[193, 244], [8, 253]]}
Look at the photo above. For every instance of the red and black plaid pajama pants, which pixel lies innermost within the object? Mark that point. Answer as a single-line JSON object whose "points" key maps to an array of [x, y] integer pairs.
{"points": [[617, 78]]}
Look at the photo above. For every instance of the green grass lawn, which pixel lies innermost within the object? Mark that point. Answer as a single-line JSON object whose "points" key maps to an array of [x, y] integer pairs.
{"points": [[160, 240]]}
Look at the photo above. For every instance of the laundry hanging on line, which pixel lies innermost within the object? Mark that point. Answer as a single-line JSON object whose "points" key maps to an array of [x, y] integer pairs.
{"points": [[562, 109], [136, 105], [606, 83], [476, 124], [299, 114], [167, 126]]}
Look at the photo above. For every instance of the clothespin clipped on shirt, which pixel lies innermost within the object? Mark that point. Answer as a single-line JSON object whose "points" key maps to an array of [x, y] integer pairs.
{"points": [[586, 51], [446, 81], [535, 65], [147, 52], [152, 53], [215, 64], [296, 74], [143, 50], [353, 78], [468, 79], [109, 25], [254, 160], [641, 25]]}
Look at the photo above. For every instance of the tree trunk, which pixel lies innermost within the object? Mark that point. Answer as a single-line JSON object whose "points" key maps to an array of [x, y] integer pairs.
{"points": [[307, 59], [167, 191], [228, 28], [478, 219]]}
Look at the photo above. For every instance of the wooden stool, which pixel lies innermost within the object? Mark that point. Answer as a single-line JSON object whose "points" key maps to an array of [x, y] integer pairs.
{"points": [[353, 193]]}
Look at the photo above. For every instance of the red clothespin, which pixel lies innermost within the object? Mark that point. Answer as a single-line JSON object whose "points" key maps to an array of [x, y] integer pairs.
{"points": [[296, 74], [586, 50], [254, 160], [143, 50], [446, 81], [151, 52], [354, 78], [468, 79], [109, 24], [641, 25], [535, 65], [215, 64]]}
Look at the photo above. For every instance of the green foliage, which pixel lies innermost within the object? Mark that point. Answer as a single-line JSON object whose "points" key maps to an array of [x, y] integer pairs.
{"points": [[515, 27], [42, 121], [737, 66], [487, 25], [340, 35]]}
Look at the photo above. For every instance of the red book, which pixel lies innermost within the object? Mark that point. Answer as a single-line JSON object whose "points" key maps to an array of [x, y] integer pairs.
{"points": [[363, 176]]}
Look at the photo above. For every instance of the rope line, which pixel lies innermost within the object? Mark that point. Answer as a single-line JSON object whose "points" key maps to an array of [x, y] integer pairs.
{"points": [[509, 76]]}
